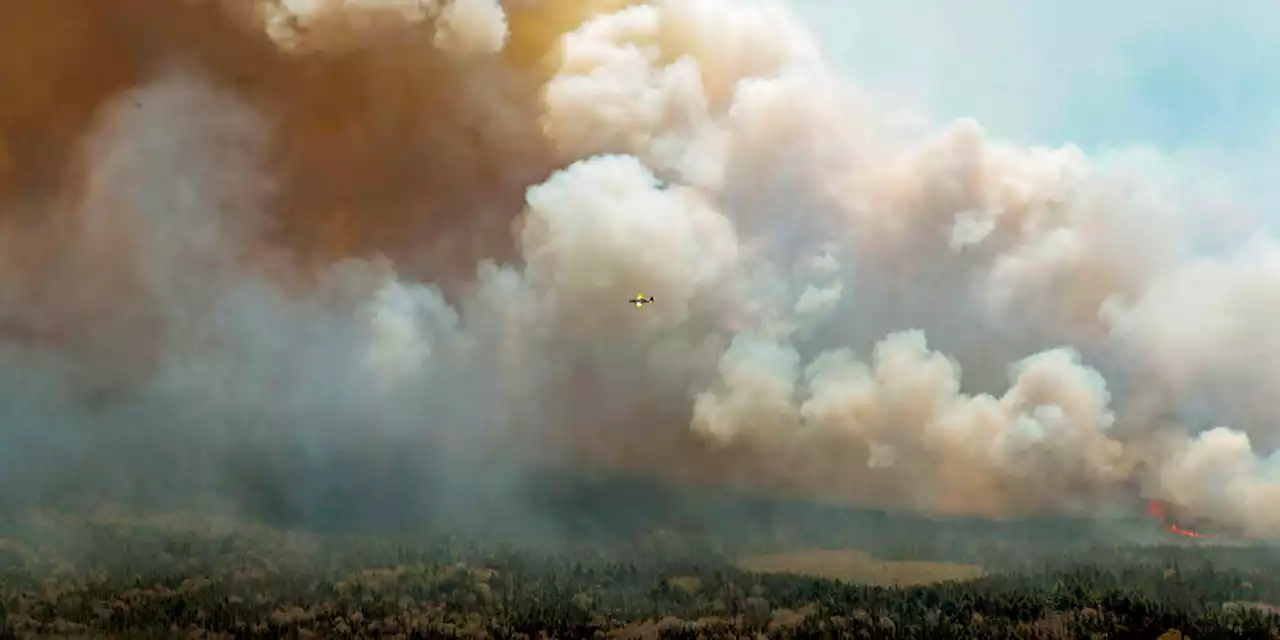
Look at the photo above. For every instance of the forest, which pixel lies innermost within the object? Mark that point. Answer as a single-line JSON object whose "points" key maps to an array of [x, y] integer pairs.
{"points": [[621, 561]]}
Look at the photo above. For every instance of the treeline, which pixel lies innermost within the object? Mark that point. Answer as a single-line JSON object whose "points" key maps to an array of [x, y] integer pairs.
{"points": [[572, 601]]}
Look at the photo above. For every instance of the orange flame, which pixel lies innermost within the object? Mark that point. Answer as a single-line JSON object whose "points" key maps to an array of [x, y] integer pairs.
{"points": [[1155, 509]]}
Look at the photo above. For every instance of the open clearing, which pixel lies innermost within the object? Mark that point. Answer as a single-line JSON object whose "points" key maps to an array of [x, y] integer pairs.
{"points": [[851, 565]]}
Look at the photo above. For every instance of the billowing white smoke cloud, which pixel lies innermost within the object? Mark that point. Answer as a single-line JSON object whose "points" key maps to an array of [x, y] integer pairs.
{"points": [[460, 26], [902, 425], [606, 225], [1203, 329], [995, 248], [799, 249]]}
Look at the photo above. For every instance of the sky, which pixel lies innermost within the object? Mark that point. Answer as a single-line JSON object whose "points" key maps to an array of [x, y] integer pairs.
{"points": [[1190, 80]]}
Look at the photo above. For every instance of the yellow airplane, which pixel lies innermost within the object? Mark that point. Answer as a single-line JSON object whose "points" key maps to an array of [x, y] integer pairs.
{"points": [[640, 300]]}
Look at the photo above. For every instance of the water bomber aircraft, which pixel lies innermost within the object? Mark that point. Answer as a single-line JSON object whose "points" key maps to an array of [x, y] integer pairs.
{"points": [[640, 301]]}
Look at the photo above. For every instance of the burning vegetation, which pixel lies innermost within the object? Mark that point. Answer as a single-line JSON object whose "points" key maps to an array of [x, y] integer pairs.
{"points": [[1170, 517]]}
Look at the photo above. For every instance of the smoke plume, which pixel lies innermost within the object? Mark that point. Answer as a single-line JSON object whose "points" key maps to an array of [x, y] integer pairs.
{"points": [[245, 244]]}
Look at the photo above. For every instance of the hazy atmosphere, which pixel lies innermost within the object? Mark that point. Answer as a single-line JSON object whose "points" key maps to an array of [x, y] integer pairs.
{"points": [[372, 258]]}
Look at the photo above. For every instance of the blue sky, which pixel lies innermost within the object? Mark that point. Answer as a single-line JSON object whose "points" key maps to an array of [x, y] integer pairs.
{"points": [[1195, 80]]}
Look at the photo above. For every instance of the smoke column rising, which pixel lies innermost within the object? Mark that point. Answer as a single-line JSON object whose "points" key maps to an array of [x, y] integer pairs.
{"points": [[246, 244]]}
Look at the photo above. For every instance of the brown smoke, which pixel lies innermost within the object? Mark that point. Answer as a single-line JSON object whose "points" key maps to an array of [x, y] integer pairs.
{"points": [[388, 148]]}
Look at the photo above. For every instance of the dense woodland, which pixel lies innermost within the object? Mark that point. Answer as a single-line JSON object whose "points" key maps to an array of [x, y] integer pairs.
{"points": [[134, 574]]}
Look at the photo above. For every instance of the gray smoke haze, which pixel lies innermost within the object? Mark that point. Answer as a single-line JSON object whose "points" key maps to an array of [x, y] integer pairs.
{"points": [[386, 246]]}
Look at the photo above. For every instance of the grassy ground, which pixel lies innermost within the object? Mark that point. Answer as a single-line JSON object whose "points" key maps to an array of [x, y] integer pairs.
{"points": [[851, 565]]}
